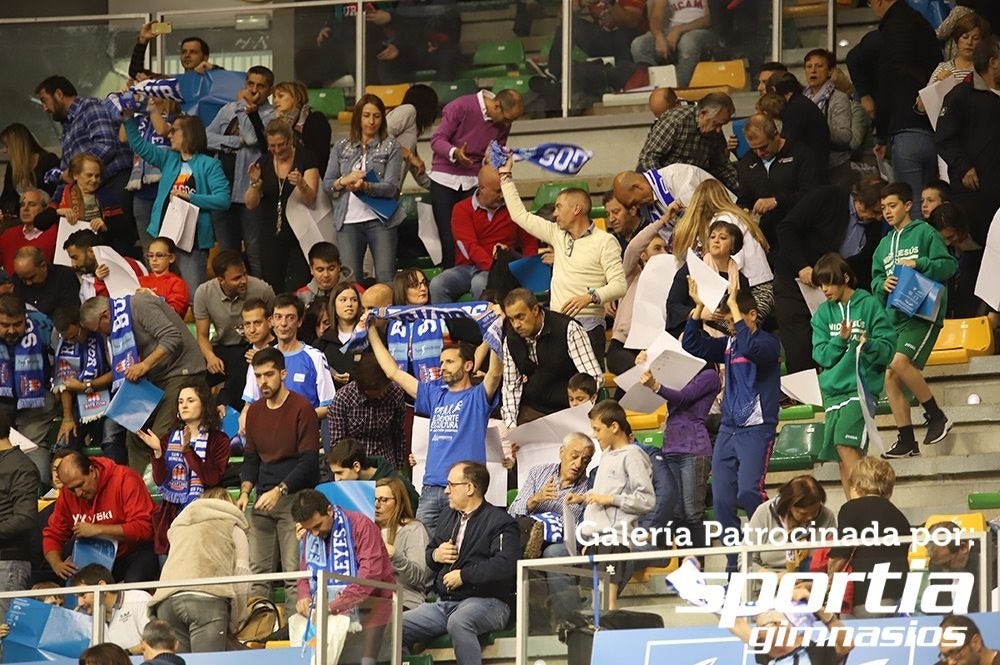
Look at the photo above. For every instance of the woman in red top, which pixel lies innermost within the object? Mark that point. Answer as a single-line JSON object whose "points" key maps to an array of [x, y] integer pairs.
{"points": [[162, 278], [191, 458]]}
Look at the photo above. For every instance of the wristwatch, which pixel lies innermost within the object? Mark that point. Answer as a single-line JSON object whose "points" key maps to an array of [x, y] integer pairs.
{"points": [[283, 488], [594, 297], [89, 386]]}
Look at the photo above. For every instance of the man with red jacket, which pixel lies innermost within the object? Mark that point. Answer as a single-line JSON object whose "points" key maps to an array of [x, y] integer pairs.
{"points": [[481, 225], [101, 499]]}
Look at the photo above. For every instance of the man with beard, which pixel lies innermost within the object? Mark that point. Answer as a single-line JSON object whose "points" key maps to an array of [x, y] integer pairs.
{"points": [[458, 411], [80, 248], [25, 375], [281, 458]]}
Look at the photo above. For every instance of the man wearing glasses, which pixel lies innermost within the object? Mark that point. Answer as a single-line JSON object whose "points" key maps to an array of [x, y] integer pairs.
{"points": [[587, 271], [473, 554], [972, 651]]}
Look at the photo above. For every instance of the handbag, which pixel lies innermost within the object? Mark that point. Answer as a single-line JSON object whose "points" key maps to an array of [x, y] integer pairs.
{"points": [[916, 295]]}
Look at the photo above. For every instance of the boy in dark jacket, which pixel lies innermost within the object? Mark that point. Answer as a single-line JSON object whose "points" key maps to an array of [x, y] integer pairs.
{"points": [[473, 555], [749, 404]]}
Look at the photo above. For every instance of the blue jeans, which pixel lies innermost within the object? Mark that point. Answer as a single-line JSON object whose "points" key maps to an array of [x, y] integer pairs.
{"points": [[453, 282], [354, 239], [914, 158], [193, 268], [463, 620], [236, 225], [692, 47], [690, 472], [433, 501]]}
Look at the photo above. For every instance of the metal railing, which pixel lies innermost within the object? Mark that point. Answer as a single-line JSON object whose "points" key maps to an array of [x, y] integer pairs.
{"points": [[322, 607], [574, 565]]}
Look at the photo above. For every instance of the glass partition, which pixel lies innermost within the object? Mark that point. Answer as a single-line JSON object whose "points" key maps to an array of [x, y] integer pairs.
{"points": [[93, 53]]}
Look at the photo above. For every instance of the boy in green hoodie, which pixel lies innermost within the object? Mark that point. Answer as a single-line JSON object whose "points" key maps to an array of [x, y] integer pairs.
{"points": [[850, 318], [913, 243]]}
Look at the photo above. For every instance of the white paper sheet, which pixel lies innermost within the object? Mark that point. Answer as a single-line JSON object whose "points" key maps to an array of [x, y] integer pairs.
{"points": [[121, 281], [311, 224], [428, 231], [813, 296], [649, 307], [21, 441], [933, 97], [640, 399], [553, 427], [988, 281], [683, 179], [65, 229], [497, 492], [712, 287], [803, 386], [180, 222], [675, 369]]}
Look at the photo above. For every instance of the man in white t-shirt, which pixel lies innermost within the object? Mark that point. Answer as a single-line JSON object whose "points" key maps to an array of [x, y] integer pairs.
{"points": [[308, 372], [679, 32], [125, 612]]}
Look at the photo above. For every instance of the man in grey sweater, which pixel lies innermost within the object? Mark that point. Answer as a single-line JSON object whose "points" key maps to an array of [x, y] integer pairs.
{"points": [[169, 356]]}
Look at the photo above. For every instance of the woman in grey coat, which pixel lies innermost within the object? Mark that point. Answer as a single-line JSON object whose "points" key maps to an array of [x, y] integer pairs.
{"points": [[405, 539], [836, 107]]}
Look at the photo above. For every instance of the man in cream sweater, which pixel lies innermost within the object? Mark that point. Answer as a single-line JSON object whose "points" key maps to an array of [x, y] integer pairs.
{"points": [[587, 272]]}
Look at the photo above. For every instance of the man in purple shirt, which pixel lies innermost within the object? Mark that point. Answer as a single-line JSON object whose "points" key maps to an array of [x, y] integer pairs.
{"points": [[468, 125]]}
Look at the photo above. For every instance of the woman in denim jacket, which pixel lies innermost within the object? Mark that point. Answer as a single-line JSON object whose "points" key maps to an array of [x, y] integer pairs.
{"points": [[359, 225]]}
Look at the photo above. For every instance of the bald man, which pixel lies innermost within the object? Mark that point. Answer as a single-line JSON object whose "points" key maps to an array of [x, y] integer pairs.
{"points": [[587, 271], [44, 286], [481, 226], [377, 295], [662, 100], [652, 191]]}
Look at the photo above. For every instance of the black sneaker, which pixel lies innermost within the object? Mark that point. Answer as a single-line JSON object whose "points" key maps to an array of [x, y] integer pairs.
{"points": [[900, 450], [937, 429]]}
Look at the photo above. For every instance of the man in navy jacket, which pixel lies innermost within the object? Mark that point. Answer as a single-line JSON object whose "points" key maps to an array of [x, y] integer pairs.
{"points": [[473, 554]]}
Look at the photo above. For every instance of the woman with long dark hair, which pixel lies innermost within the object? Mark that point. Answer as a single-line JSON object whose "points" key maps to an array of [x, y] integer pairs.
{"points": [[365, 170], [189, 459], [344, 310]]}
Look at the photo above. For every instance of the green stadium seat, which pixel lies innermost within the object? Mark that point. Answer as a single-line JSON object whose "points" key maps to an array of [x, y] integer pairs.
{"points": [[519, 83], [418, 659], [578, 54], [431, 273], [548, 192], [598, 212], [93, 451], [650, 438], [511, 495], [450, 90], [797, 412], [509, 52], [796, 446], [328, 101], [984, 501]]}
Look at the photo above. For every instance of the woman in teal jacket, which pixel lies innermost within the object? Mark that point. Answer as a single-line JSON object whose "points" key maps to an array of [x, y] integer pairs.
{"points": [[190, 174]]}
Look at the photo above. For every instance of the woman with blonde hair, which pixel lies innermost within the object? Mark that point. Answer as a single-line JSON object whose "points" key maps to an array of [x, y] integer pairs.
{"points": [[27, 163], [712, 202], [311, 128], [405, 539]]}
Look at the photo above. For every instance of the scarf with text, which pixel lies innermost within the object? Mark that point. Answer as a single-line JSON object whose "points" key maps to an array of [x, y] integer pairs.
{"points": [[124, 352], [552, 526], [335, 554], [183, 484], [562, 158], [83, 361], [23, 376]]}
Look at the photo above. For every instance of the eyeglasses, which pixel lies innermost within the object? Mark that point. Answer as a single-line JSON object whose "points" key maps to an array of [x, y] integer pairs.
{"points": [[384, 499], [452, 485], [952, 656], [157, 255]]}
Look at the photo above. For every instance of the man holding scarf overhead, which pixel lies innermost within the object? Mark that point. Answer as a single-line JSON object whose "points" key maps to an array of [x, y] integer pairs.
{"points": [[148, 340], [25, 372], [344, 542]]}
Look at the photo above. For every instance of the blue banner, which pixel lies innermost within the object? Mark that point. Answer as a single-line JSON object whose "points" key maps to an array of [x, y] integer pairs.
{"points": [[355, 495], [43, 632], [562, 158]]}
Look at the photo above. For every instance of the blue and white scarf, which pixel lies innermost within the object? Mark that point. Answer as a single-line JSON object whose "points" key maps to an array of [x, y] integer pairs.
{"points": [[416, 347], [490, 324], [183, 485], [562, 158], [552, 526], [335, 555], [124, 352], [143, 172], [84, 362], [24, 375], [661, 193]]}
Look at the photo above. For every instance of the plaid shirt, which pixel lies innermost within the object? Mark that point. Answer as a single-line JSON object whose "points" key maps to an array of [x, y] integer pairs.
{"points": [[90, 127], [581, 352], [674, 139], [537, 477], [376, 424]]}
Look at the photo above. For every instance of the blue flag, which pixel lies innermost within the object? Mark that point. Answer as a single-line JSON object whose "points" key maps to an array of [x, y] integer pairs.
{"points": [[562, 158]]}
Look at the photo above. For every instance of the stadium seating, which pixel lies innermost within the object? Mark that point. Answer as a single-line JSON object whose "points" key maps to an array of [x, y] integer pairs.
{"points": [[961, 339], [796, 447], [328, 101]]}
